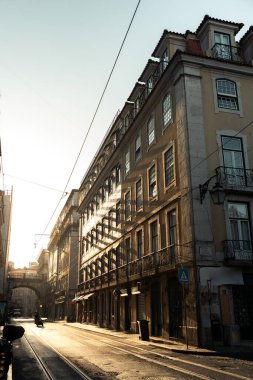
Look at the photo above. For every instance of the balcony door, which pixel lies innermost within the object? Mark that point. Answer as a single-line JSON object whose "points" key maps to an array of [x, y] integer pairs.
{"points": [[233, 159], [222, 45], [240, 231]]}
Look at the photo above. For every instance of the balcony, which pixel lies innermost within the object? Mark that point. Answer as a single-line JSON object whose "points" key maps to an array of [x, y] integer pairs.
{"points": [[235, 177], [227, 52], [237, 252], [162, 260]]}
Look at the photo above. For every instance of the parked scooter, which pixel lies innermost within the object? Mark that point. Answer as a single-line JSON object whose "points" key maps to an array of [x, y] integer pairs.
{"points": [[37, 320], [9, 334]]}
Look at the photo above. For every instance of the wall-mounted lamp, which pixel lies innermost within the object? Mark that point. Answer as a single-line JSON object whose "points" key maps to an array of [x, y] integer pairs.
{"points": [[217, 192]]}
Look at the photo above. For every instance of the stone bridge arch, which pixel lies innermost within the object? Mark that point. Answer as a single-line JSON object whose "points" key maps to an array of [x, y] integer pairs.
{"points": [[24, 280]]}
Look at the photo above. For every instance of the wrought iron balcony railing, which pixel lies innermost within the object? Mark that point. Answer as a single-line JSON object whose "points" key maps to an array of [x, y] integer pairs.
{"points": [[227, 52], [235, 177], [238, 251], [155, 261]]}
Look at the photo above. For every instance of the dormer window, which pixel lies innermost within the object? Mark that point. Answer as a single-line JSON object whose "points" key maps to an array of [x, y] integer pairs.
{"points": [[222, 46], [164, 60], [137, 105], [149, 84]]}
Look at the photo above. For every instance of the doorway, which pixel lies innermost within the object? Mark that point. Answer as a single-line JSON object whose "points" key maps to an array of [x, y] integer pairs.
{"points": [[175, 303], [156, 324]]}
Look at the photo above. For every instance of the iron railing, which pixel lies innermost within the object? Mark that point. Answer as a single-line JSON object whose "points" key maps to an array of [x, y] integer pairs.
{"points": [[227, 52], [238, 251], [166, 258], [235, 177]]}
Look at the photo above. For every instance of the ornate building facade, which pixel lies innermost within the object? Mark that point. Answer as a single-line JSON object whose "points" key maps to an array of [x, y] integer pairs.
{"points": [[153, 245]]}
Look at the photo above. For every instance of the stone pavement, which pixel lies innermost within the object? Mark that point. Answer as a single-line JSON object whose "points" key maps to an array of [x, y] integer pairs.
{"points": [[171, 345], [244, 351]]}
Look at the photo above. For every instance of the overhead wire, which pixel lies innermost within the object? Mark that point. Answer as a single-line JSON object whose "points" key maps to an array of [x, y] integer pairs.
{"points": [[97, 108], [35, 183], [94, 116]]}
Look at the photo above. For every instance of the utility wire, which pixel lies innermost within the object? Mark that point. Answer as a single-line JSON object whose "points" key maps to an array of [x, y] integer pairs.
{"points": [[35, 183], [94, 116]]}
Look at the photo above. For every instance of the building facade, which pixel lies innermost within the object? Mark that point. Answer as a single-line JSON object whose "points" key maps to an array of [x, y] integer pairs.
{"points": [[62, 262], [153, 245]]}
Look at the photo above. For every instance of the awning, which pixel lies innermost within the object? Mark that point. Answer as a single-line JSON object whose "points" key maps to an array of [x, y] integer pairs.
{"points": [[82, 298], [87, 296], [77, 299], [60, 300], [135, 290]]}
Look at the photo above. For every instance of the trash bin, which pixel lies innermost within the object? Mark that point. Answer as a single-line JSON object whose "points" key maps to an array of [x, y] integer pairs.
{"points": [[143, 329]]}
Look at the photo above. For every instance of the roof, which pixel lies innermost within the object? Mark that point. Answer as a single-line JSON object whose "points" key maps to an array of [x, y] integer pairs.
{"points": [[244, 37], [208, 18], [164, 35], [151, 64]]}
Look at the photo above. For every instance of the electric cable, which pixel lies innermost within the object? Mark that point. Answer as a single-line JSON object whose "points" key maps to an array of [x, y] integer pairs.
{"points": [[94, 116], [35, 183]]}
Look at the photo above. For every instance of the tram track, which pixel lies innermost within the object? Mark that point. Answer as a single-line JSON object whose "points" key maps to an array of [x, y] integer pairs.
{"points": [[224, 373], [50, 373], [154, 356]]}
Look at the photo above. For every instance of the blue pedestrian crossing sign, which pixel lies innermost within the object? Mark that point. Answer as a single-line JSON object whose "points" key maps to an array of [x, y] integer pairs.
{"points": [[183, 275]]}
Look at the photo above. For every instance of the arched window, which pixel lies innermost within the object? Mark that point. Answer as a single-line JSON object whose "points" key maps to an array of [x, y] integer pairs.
{"points": [[227, 94]]}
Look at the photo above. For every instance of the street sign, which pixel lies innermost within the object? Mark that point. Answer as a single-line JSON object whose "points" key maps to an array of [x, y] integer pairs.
{"points": [[183, 275]]}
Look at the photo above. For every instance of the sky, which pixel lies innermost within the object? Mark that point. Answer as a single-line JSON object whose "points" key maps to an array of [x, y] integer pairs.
{"points": [[55, 59]]}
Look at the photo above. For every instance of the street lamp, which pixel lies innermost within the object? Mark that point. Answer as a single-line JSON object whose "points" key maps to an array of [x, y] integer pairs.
{"points": [[217, 192]]}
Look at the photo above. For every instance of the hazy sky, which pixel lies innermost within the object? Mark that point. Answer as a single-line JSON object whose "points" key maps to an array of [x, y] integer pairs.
{"points": [[55, 58]]}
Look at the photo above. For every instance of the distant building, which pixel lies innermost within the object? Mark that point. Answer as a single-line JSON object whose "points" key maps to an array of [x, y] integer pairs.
{"points": [[5, 232], [152, 244], [63, 262], [23, 298]]}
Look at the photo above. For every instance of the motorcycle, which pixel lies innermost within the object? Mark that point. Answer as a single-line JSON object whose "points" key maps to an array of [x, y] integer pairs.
{"points": [[38, 321], [9, 334]]}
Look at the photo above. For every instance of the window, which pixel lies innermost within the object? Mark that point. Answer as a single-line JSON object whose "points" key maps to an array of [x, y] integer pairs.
{"points": [[166, 110], [152, 182], [127, 162], [137, 148], [151, 131], [128, 250], [102, 192], [118, 175], [149, 85], [233, 159], [227, 94], [117, 214], [169, 167], [92, 236], [240, 230], [110, 221], [109, 185], [137, 105], [103, 227], [164, 60], [172, 232], [118, 256], [139, 243], [96, 200], [127, 205], [138, 193], [154, 236], [222, 46]]}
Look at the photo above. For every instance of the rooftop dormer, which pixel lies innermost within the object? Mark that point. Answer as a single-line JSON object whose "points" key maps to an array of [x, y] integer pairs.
{"points": [[217, 39], [246, 44]]}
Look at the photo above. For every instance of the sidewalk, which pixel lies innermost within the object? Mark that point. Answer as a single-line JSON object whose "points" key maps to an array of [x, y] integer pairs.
{"points": [[243, 352], [154, 341]]}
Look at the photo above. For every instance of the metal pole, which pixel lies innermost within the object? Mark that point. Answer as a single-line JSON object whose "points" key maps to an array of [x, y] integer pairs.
{"points": [[185, 316]]}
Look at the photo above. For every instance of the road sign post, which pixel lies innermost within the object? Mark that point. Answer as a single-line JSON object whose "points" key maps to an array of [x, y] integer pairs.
{"points": [[183, 278]]}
